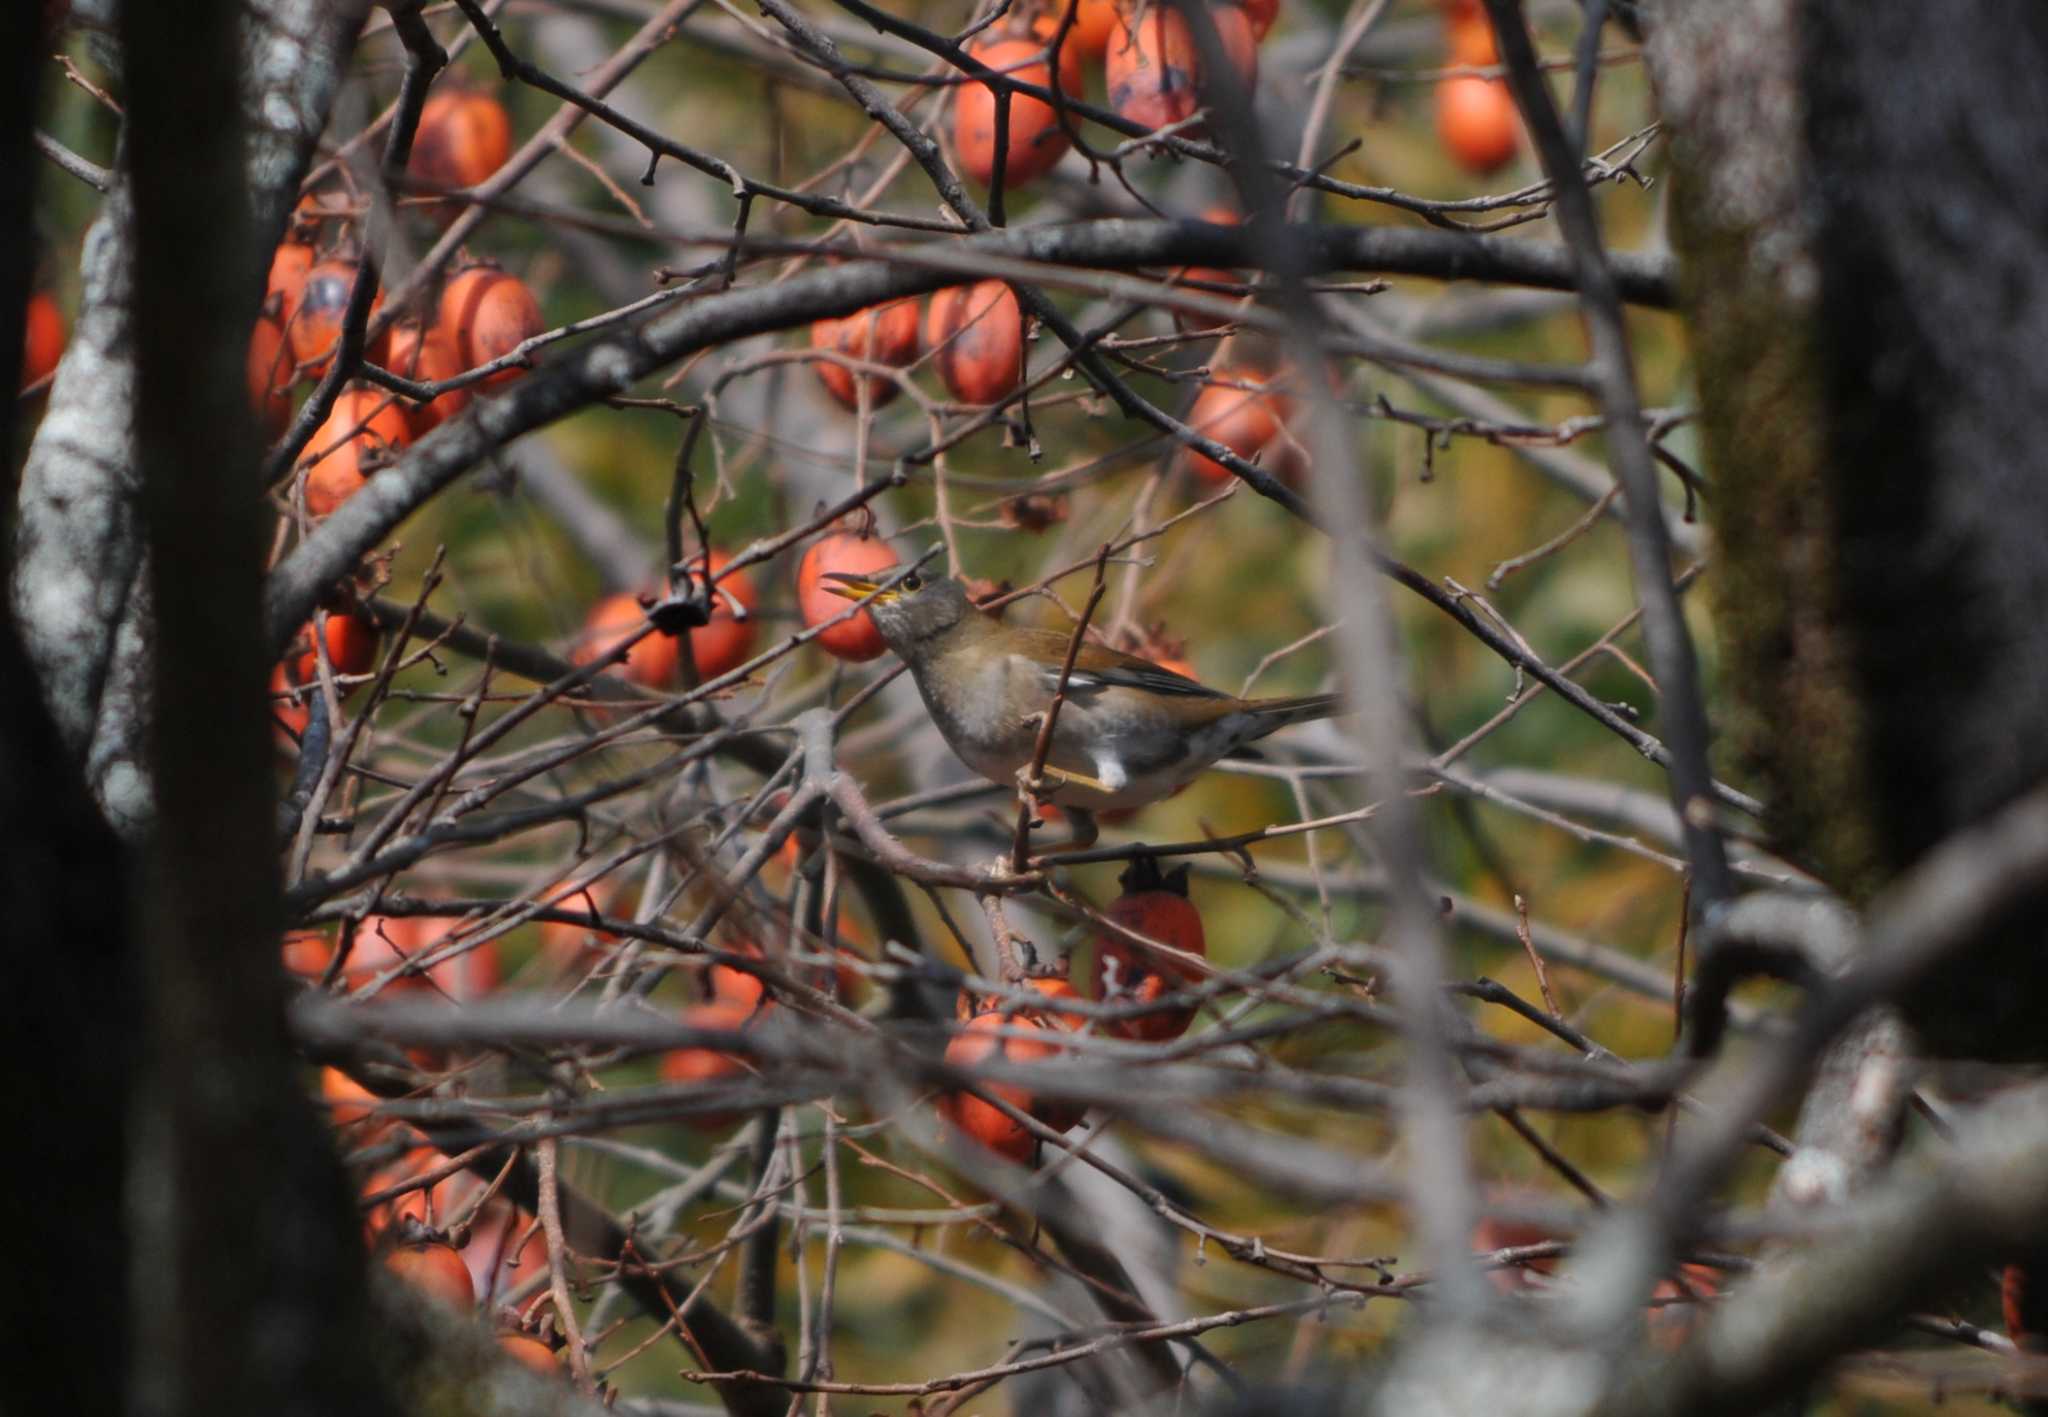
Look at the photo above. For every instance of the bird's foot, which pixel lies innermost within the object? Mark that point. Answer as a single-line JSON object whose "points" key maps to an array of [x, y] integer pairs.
{"points": [[1066, 777]]}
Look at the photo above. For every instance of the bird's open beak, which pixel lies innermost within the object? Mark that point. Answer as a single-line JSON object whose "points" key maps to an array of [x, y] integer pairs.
{"points": [[852, 587]]}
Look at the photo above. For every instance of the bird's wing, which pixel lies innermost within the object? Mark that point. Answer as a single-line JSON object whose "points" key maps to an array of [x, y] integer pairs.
{"points": [[1097, 666]]}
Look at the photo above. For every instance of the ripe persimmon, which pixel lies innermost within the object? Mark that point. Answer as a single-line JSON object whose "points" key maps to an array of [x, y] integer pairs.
{"points": [[1036, 139], [1240, 410], [1208, 275], [653, 660], [464, 136], [351, 637], [436, 1270], [289, 266], [42, 338], [856, 640], [424, 354], [1477, 122], [727, 641], [530, 1353], [567, 945], [1157, 908], [702, 1066], [289, 713], [1678, 1303], [982, 1039], [486, 314], [1261, 14], [882, 334], [364, 423], [976, 335], [1094, 22], [269, 370], [348, 1102], [314, 326], [383, 942]]}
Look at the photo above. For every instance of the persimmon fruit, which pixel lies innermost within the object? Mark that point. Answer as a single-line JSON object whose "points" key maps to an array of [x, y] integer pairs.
{"points": [[976, 335], [1477, 122], [269, 371], [436, 1270], [855, 640], [351, 639], [424, 354], [1036, 141], [485, 314], [1240, 410], [531, 1354], [363, 424], [314, 327], [882, 334], [981, 1040], [464, 136], [705, 1066], [42, 338], [1156, 907]]}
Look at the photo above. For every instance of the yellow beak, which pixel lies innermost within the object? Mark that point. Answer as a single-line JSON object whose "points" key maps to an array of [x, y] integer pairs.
{"points": [[852, 587]]}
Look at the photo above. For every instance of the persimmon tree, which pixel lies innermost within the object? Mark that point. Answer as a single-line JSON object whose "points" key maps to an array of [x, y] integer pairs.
{"points": [[485, 902]]}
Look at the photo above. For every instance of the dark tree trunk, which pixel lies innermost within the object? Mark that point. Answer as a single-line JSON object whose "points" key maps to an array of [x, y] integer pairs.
{"points": [[1861, 209], [247, 1276]]}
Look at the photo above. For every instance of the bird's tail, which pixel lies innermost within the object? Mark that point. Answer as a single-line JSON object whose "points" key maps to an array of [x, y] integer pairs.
{"points": [[1275, 714]]}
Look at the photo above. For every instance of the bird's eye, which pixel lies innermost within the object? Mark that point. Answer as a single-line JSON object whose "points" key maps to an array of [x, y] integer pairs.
{"points": [[912, 584]]}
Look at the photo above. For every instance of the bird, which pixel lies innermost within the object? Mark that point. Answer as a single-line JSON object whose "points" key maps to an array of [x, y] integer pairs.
{"points": [[1128, 734]]}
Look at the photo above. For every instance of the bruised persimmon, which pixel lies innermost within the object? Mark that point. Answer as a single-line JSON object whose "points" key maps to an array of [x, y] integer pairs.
{"points": [[707, 1066], [1477, 122], [436, 1270], [425, 355], [1036, 141], [856, 640], [1126, 972], [42, 338], [976, 335], [464, 136], [363, 424], [314, 326], [1154, 71], [485, 315], [1241, 410], [882, 334], [983, 1039], [530, 1353], [269, 370]]}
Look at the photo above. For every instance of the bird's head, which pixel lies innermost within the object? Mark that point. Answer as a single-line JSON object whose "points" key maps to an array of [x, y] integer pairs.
{"points": [[913, 612]]}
